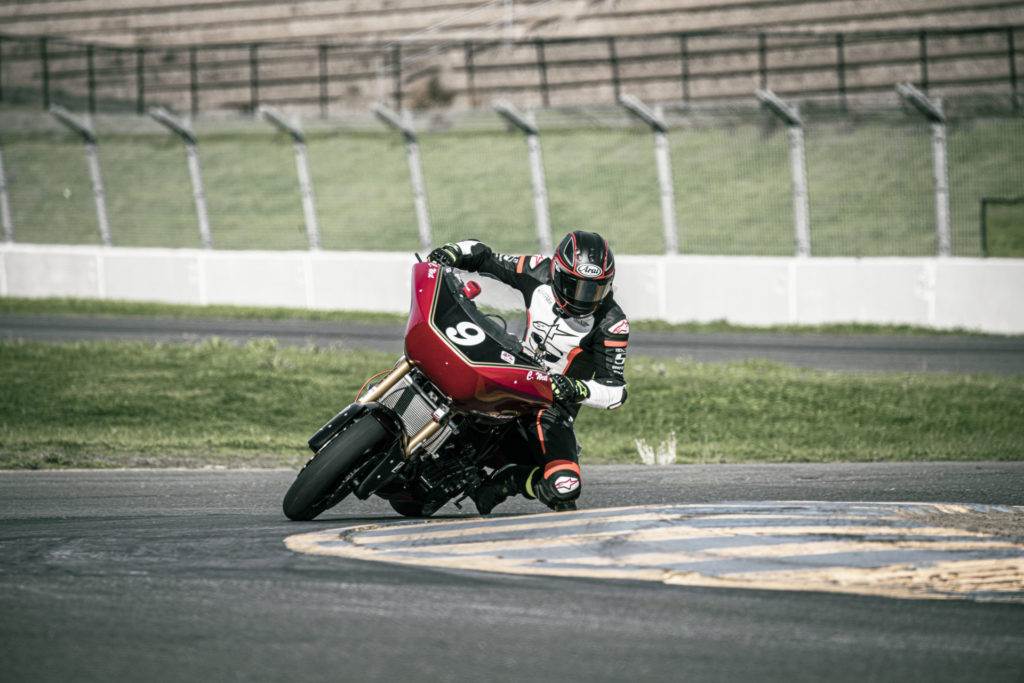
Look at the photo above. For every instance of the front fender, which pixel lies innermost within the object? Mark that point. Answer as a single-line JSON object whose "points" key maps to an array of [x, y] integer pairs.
{"points": [[385, 416], [336, 424]]}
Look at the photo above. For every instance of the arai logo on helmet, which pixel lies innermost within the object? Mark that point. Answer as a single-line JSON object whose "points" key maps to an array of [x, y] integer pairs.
{"points": [[589, 270]]}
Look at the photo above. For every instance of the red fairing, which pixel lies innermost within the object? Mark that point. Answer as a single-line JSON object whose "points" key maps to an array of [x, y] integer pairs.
{"points": [[491, 387]]}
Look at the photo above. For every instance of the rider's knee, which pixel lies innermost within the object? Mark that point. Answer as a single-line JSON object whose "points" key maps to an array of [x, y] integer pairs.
{"points": [[559, 489]]}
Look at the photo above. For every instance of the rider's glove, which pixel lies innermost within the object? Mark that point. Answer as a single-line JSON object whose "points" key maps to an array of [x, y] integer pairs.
{"points": [[568, 390], [447, 255]]}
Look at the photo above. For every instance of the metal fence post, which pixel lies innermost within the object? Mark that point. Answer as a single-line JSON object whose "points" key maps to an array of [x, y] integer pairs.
{"points": [[396, 73], [254, 77], [1012, 54], [323, 77], [412, 151], [192, 152], [684, 58], [140, 80], [841, 70], [90, 78], [931, 109], [302, 166], [528, 125], [613, 61], [923, 58], [44, 63], [467, 47], [798, 168], [762, 59], [193, 79], [83, 128], [5, 204], [655, 119], [542, 67]]}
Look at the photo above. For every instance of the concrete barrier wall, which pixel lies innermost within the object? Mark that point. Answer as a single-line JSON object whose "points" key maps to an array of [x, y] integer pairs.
{"points": [[976, 294]]}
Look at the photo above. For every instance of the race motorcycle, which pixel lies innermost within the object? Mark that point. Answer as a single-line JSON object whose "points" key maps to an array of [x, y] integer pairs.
{"points": [[426, 431]]}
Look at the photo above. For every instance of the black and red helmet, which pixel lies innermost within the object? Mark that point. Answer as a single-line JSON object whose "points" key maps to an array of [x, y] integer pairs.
{"points": [[582, 271]]}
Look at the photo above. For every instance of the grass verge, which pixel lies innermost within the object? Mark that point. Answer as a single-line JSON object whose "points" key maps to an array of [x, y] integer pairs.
{"points": [[156, 405]]}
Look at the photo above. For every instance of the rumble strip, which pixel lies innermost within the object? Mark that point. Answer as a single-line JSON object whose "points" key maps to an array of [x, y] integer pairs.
{"points": [[900, 550]]}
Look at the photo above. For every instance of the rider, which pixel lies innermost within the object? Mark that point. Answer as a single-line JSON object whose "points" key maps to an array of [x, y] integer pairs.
{"points": [[578, 332]]}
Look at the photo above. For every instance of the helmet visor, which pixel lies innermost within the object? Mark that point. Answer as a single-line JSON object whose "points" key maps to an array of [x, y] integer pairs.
{"points": [[580, 295]]}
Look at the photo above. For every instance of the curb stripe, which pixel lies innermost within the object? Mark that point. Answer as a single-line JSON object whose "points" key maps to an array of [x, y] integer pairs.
{"points": [[904, 550]]}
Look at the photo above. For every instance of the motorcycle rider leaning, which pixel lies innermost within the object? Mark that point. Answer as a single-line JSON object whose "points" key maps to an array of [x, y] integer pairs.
{"points": [[575, 330]]}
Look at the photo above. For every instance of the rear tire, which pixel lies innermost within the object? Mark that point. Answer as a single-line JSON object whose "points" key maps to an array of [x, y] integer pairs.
{"points": [[322, 482]]}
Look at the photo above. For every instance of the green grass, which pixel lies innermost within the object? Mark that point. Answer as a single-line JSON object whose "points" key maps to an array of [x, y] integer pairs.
{"points": [[869, 179], [107, 308], [1005, 231], [213, 404]]}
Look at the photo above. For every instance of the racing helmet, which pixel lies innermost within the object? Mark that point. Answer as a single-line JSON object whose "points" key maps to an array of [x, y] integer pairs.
{"points": [[582, 271]]}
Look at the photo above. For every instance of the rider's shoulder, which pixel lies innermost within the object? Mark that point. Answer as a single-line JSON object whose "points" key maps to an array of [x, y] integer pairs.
{"points": [[613, 320]]}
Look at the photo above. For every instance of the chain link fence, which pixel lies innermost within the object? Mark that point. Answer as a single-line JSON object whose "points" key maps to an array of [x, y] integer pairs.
{"points": [[870, 184]]}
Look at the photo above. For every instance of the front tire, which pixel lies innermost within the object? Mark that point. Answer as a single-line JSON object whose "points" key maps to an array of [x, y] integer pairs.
{"points": [[322, 482]]}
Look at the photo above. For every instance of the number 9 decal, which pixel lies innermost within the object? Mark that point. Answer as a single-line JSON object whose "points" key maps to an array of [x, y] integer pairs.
{"points": [[465, 334]]}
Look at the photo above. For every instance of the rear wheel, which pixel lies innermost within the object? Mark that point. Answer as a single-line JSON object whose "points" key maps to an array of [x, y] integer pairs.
{"points": [[326, 478]]}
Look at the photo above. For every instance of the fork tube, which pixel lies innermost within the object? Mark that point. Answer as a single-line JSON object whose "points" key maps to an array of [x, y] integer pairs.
{"points": [[400, 371], [421, 436]]}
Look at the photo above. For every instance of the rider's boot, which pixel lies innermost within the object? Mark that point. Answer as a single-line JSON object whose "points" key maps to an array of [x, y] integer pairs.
{"points": [[510, 480]]}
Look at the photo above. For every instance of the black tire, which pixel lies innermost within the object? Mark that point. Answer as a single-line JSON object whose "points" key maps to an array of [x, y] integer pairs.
{"points": [[321, 483]]}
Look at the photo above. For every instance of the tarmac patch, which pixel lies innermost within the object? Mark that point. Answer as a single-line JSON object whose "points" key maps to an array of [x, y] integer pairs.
{"points": [[899, 550]]}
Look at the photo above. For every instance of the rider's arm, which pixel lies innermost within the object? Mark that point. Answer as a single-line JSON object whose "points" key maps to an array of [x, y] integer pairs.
{"points": [[477, 257], [607, 394], [608, 387]]}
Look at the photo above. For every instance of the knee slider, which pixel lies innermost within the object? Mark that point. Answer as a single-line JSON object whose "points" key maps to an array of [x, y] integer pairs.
{"points": [[560, 486]]}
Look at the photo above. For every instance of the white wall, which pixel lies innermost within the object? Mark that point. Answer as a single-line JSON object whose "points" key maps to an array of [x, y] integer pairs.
{"points": [[977, 294]]}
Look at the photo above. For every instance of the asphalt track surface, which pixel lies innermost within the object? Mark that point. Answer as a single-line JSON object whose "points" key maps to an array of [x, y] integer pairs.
{"points": [[857, 353], [190, 575], [186, 576]]}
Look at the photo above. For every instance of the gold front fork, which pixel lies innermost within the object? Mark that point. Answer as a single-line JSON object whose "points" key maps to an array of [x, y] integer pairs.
{"points": [[385, 385], [421, 436], [400, 371]]}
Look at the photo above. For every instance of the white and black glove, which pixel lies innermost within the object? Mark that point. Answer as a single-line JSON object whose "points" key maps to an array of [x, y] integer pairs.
{"points": [[567, 390]]}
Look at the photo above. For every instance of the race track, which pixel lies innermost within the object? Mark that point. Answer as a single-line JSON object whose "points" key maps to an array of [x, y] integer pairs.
{"points": [[196, 575], [187, 576], [842, 353]]}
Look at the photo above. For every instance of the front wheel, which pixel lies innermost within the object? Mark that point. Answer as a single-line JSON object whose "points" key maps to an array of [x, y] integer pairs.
{"points": [[324, 481]]}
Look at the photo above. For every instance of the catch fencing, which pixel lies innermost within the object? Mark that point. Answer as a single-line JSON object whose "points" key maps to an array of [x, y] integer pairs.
{"points": [[771, 176]]}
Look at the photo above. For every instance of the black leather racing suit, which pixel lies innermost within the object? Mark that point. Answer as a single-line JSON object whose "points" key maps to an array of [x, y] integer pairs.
{"points": [[591, 348]]}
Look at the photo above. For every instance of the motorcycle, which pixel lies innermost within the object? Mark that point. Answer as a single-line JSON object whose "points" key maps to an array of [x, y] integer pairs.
{"points": [[426, 431]]}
